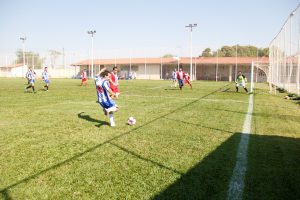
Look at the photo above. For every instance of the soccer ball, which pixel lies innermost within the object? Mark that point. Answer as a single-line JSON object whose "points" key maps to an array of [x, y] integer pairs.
{"points": [[131, 121]]}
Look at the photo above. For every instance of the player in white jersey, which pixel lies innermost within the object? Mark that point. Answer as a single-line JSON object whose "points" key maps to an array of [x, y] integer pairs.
{"points": [[174, 78], [30, 75], [105, 94], [45, 77]]}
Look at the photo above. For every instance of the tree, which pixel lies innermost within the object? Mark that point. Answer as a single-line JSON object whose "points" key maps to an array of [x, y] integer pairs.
{"points": [[207, 53], [168, 56], [242, 51], [31, 59], [54, 54], [228, 51]]}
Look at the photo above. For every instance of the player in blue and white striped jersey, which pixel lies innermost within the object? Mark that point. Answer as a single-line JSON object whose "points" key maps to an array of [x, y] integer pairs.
{"points": [[45, 77], [31, 79], [105, 94]]}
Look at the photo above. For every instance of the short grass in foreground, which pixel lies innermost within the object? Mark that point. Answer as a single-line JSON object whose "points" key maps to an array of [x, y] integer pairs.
{"points": [[58, 145]]}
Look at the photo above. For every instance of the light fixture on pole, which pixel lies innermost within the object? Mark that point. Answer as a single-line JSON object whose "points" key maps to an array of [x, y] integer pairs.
{"points": [[92, 34], [191, 26], [23, 47]]}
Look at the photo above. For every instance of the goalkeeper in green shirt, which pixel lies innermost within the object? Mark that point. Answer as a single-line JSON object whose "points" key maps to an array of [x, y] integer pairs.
{"points": [[241, 81]]}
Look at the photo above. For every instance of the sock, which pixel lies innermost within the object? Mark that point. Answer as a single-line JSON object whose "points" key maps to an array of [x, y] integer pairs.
{"points": [[32, 88], [237, 89], [246, 89], [28, 87], [111, 119]]}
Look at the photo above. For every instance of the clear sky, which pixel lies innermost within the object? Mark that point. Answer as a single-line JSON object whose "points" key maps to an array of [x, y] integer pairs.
{"points": [[139, 27]]}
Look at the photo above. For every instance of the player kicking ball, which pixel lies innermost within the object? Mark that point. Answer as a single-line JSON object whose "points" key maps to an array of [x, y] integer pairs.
{"points": [[105, 95], [241, 81]]}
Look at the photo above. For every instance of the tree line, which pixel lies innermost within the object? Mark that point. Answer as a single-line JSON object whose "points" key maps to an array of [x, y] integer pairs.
{"points": [[236, 50], [35, 60]]}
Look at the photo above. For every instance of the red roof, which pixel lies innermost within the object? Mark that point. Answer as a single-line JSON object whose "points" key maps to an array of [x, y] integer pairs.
{"points": [[184, 60]]}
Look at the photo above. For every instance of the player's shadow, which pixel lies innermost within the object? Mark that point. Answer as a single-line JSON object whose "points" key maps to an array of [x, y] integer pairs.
{"points": [[90, 119]]}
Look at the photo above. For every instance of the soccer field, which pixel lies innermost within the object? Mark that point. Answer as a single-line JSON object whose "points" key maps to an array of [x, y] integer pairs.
{"points": [[59, 145]]}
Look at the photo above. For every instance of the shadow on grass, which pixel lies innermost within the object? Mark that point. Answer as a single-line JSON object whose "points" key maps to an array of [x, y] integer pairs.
{"points": [[273, 168], [228, 90], [273, 171], [88, 118], [5, 195], [145, 159]]}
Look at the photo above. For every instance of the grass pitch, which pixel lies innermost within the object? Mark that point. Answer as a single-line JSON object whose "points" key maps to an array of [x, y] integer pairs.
{"points": [[59, 145]]}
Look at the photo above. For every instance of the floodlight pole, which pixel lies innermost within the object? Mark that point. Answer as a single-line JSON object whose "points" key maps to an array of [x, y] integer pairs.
{"points": [[92, 34], [191, 26], [23, 47]]}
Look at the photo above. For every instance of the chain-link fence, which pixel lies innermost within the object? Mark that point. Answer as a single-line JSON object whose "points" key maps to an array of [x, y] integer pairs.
{"points": [[285, 55]]}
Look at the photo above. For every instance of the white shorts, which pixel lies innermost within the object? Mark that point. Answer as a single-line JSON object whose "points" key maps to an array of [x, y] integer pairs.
{"points": [[241, 85]]}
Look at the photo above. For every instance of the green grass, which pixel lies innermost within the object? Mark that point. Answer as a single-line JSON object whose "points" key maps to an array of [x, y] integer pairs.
{"points": [[59, 145]]}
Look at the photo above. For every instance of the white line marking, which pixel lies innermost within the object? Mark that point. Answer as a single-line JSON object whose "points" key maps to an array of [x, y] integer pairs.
{"points": [[237, 184]]}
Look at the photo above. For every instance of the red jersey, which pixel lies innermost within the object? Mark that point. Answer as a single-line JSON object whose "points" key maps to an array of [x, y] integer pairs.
{"points": [[114, 82], [180, 75], [187, 79], [83, 75]]}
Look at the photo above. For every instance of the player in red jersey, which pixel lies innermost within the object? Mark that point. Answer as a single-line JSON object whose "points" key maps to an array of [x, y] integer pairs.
{"points": [[180, 77], [187, 79], [83, 77], [114, 81]]}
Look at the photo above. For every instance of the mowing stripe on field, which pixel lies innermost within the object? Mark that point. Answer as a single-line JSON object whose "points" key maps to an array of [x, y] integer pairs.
{"points": [[188, 98], [78, 155], [237, 182]]}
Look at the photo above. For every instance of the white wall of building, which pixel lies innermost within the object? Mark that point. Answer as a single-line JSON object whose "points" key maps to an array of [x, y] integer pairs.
{"points": [[148, 71]]}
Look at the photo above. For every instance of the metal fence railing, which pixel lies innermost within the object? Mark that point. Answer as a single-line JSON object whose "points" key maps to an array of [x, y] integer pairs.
{"points": [[284, 55]]}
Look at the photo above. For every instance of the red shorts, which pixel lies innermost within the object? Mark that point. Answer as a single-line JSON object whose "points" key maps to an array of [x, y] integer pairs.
{"points": [[188, 82], [84, 79], [115, 89]]}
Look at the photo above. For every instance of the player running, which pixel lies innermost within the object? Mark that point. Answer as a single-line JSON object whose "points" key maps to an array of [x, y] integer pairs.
{"points": [[180, 77], [45, 77], [174, 78], [241, 81], [114, 81], [83, 78], [105, 94], [30, 75], [187, 79]]}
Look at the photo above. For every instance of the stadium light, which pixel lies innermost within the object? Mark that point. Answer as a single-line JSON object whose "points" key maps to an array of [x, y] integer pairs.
{"points": [[23, 47], [191, 26], [92, 34]]}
